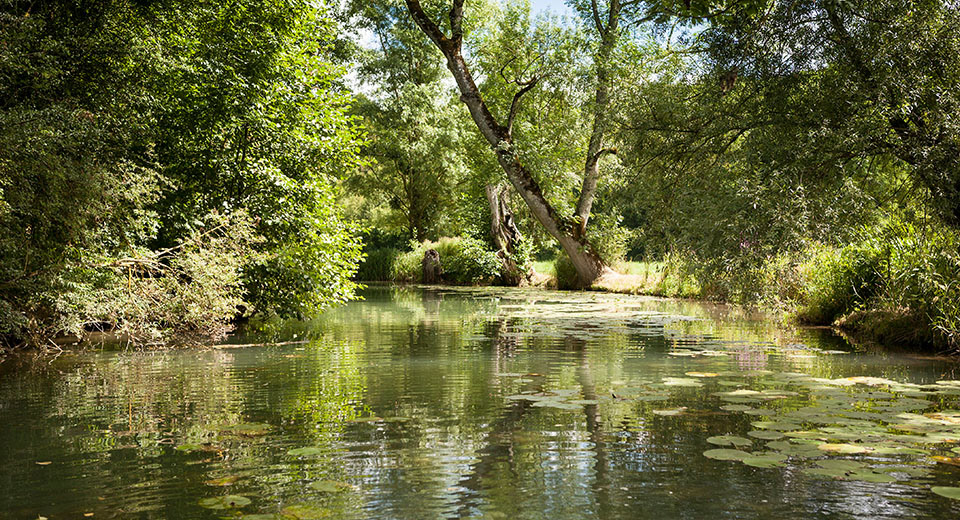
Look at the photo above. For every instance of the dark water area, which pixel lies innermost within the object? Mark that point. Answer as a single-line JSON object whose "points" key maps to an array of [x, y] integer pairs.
{"points": [[486, 403]]}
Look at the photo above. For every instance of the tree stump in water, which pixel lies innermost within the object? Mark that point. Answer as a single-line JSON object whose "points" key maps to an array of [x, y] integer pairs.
{"points": [[431, 266]]}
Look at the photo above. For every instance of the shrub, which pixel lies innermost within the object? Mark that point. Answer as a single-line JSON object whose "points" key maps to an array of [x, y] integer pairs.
{"points": [[378, 265], [464, 260], [838, 281]]}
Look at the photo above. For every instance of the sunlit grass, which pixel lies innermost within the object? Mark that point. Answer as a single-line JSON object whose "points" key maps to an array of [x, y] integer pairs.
{"points": [[650, 278]]}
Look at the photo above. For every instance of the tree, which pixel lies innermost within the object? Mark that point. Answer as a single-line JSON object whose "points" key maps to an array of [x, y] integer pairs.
{"points": [[569, 231], [173, 137]]}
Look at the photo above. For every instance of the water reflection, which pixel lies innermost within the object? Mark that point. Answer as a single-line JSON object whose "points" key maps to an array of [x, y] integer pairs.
{"points": [[478, 403]]}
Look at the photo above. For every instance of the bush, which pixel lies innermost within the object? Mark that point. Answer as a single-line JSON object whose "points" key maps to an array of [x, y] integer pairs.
{"points": [[378, 265], [838, 281], [464, 260]]}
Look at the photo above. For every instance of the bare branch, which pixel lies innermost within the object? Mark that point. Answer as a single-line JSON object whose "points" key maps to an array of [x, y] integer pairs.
{"points": [[507, 63], [515, 104]]}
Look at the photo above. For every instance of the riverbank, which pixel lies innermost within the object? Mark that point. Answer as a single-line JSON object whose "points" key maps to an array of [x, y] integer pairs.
{"points": [[873, 320]]}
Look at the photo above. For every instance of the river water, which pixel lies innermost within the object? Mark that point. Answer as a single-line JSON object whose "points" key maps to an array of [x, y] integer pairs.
{"points": [[486, 403]]}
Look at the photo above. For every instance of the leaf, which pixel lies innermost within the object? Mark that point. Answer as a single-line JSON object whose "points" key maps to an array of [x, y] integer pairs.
{"points": [[308, 451], [225, 502], [845, 449], [307, 511], [765, 460], [248, 429], [952, 493], [765, 435], [725, 454], [222, 481], [729, 440], [330, 486]]}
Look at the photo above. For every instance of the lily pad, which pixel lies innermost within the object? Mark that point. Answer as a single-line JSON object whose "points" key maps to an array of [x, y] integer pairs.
{"points": [[307, 511], [225, 502], [844, 449], [774, 425], [330, 486], [765, 460], [222, 481], [248, 429], [952, 493], [365, 419], [825, 472], [871, 476], [729, 440], [736, 408], [766, 435], [726, 454], [309, 451], [840, 464], [681, 381], [671, 412]]}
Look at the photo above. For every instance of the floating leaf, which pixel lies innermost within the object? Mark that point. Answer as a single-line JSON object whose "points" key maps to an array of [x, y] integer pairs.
{"points": [[951, 461], [222, 481], [308, 451], [330, 486], [248, 429], [825, 472], [766, 435], [725, 454], [225, 502], [365, 419], [652, 397], [773, 425], [729, 440], [681, 381], [870, 476], [946, 491], [765, 460], [844, 449], [845, 465], [702, 374], [670, 412], [307, 511]]}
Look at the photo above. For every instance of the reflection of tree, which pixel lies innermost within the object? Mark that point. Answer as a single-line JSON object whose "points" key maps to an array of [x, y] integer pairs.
{"points": [[594, 425]]}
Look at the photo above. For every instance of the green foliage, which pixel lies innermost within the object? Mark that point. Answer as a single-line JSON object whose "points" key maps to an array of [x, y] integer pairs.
{"points": [[837, 281], [378, 266], [126, 125], [464, 260]]}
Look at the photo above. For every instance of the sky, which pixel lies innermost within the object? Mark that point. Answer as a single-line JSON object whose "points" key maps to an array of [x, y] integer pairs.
{"points": [[557, 6]]}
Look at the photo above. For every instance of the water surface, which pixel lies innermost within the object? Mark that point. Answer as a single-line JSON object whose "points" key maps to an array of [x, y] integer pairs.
{"points": [[485, 403]]}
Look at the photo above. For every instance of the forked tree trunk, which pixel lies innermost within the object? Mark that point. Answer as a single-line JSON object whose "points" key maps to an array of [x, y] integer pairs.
{"points": [[506, 236], [568, 232]]}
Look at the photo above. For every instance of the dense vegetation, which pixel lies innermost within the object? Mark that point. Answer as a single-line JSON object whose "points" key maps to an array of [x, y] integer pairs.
{"points": [[169, 166]]}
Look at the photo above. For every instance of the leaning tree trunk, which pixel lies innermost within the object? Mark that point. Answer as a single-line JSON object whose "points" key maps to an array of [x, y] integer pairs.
{"points": [[506, 236], [567, 232]]}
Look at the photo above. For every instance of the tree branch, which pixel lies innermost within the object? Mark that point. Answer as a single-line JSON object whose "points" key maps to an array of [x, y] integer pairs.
{"points": [[515, 104], [427, 25], [596, 17], [456, 22]]}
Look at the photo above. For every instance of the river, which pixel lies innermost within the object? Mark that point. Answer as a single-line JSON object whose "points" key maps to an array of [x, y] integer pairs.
{"points": [[420, 403]]}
